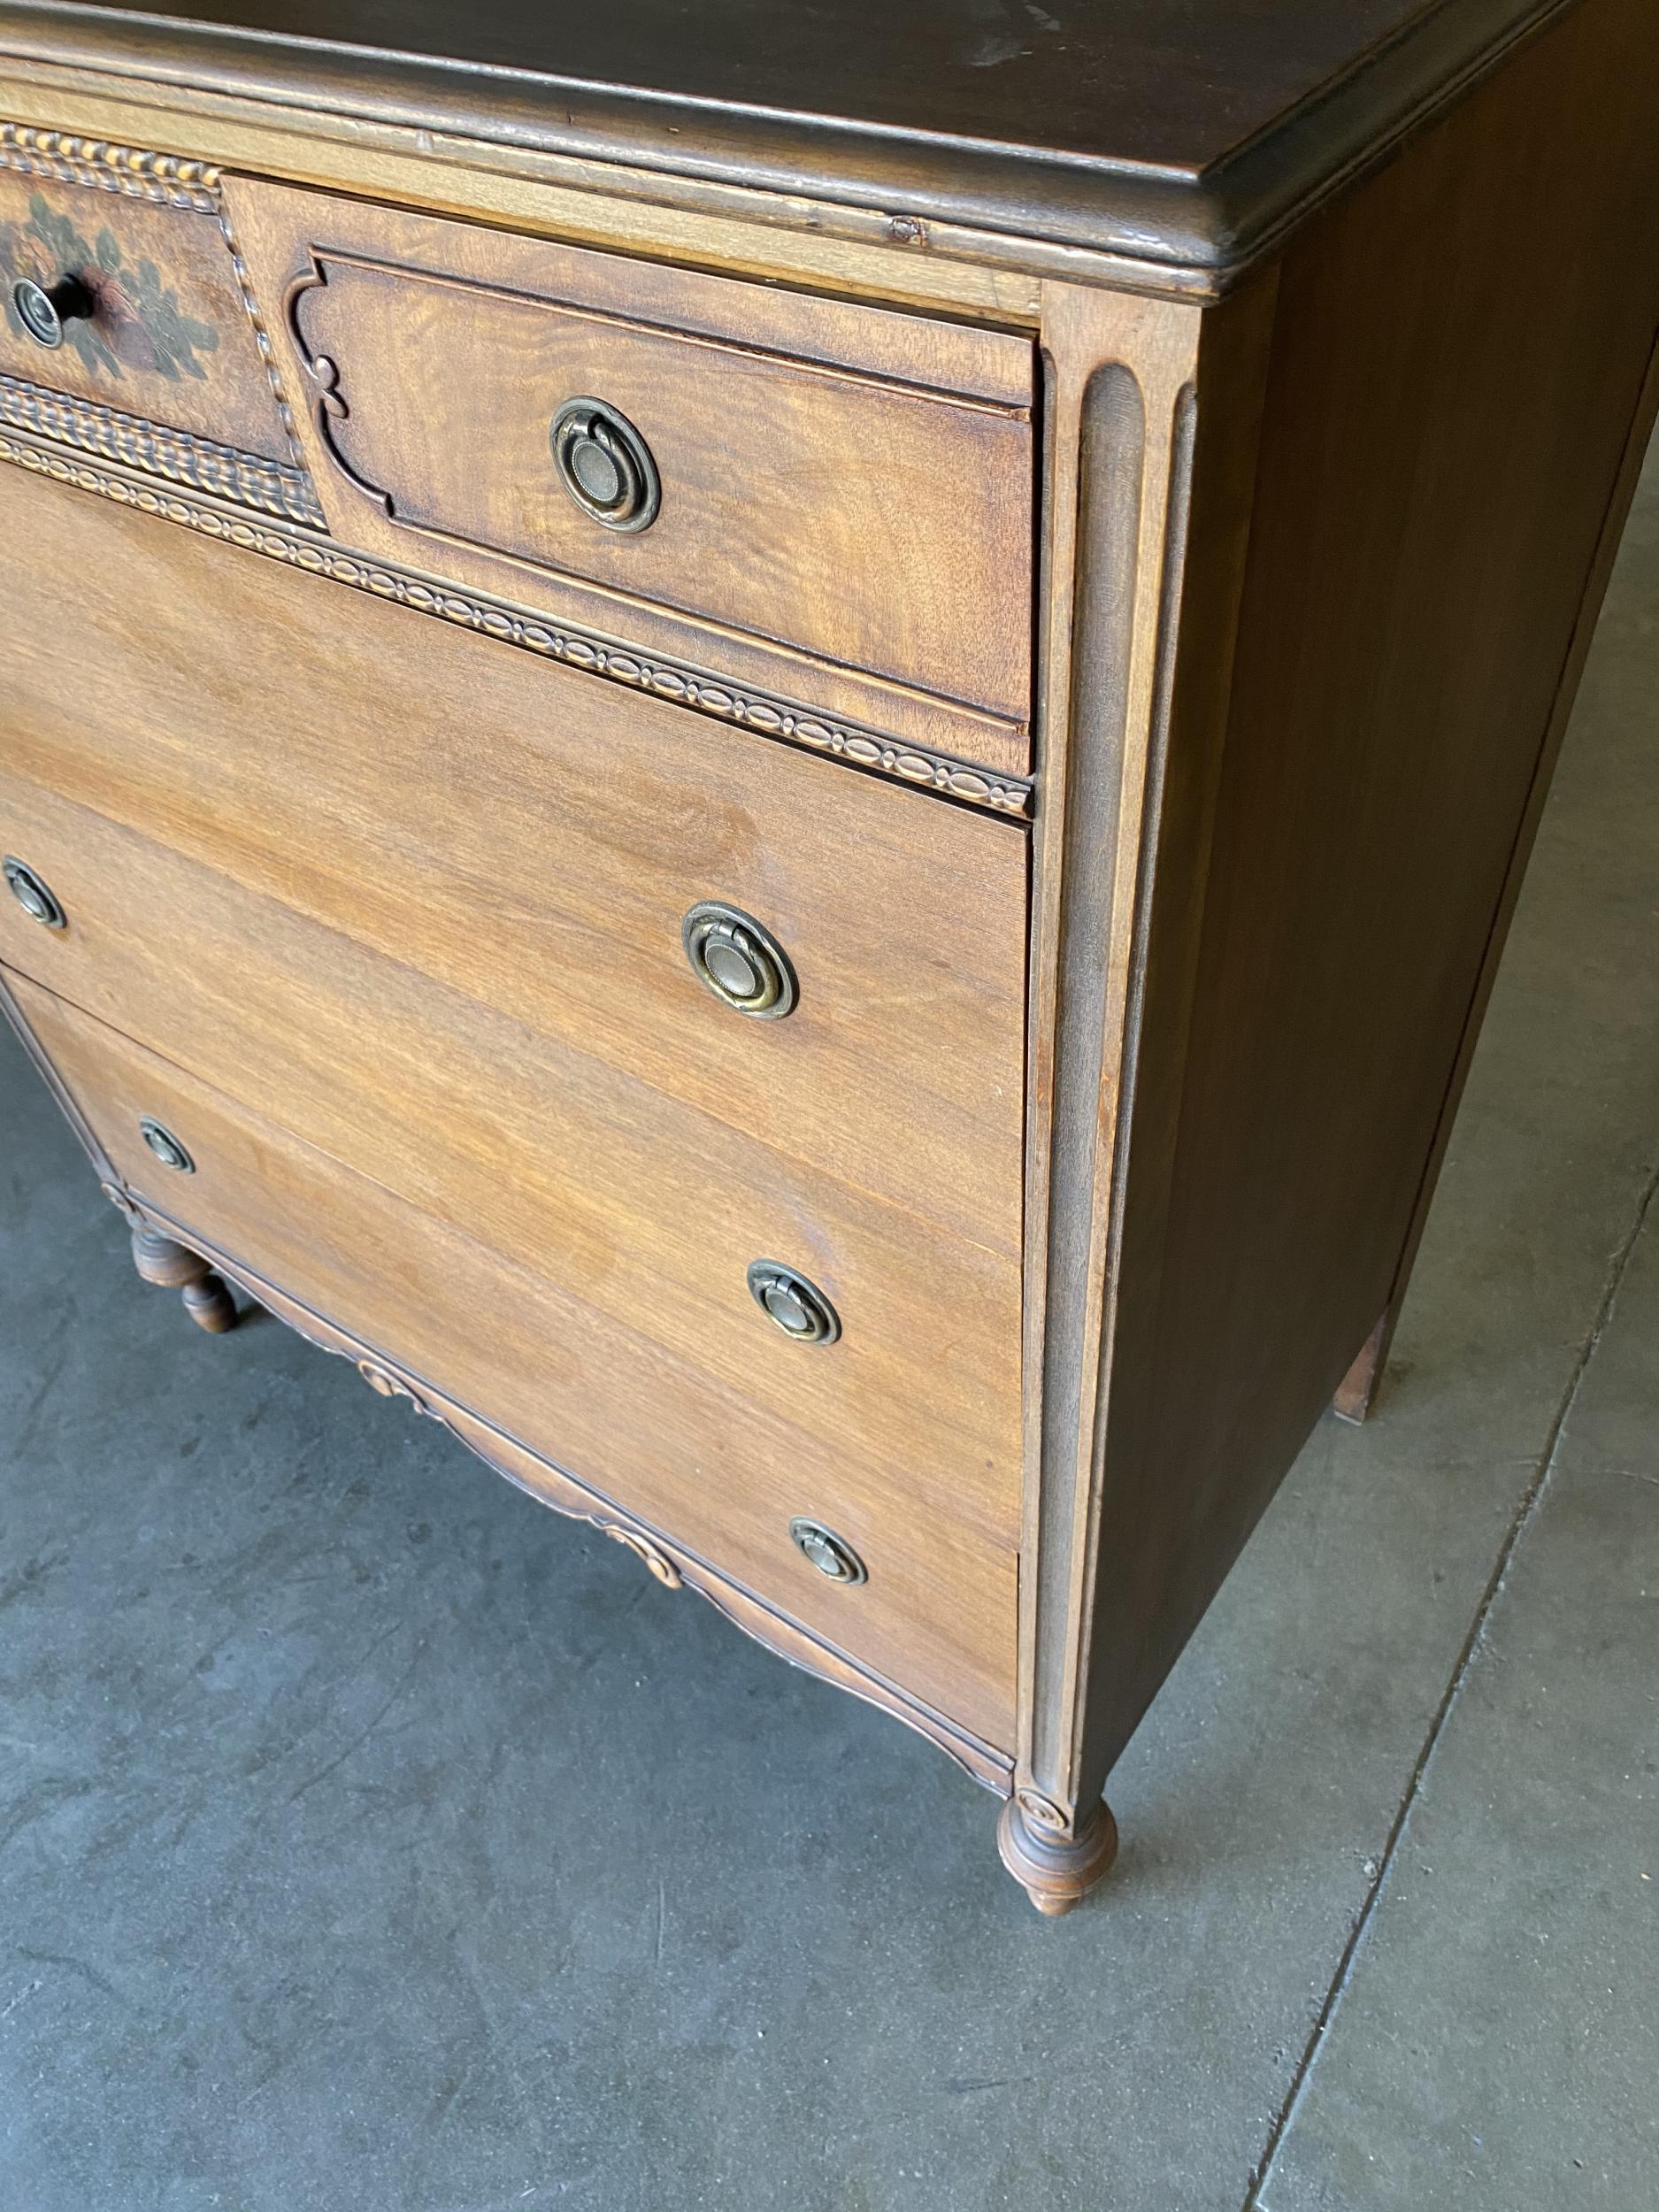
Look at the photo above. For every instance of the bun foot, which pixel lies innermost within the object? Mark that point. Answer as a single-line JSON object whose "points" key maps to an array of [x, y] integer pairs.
{"points": [[209, 1305], [1056, 1871], [169, 1265]]}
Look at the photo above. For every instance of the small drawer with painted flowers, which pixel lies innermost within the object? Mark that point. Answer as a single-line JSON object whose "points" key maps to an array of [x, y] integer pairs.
{"points": [[129, 337]]}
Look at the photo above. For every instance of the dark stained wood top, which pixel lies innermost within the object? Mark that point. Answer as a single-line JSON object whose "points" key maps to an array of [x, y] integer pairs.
{"points": [[1184, 133]]}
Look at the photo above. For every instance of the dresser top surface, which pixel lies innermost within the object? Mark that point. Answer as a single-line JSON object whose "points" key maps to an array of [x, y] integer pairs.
{"points": [[1181, 132]]}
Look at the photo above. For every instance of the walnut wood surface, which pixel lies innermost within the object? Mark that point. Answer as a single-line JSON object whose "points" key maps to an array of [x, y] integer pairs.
{"points": [[1367, 1372], [1182, 136], [1304, 595], [1459, 355], [171, 337], [853, 483], [647, 1209], [533, 837], [659, 1434]]}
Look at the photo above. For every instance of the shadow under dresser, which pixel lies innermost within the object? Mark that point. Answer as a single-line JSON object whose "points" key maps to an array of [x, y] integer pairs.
{"points": [[791, 778]]}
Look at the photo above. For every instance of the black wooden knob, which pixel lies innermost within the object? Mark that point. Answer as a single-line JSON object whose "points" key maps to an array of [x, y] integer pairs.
{"points": [[34, 894], [605, 465], [44, 313], [739, 959], [830, 1554], [799, 1308], [166, 1146]]}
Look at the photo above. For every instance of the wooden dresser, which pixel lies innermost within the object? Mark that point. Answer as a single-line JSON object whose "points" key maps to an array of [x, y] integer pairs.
{"points": [[782, 753]]}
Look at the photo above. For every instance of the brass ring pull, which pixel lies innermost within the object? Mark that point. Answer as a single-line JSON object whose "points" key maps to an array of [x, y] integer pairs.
{"points": [[830, 1554], [799, 1307], [739, 959], [43, 312], [605, 465], [166, 1147], [34, 894]]}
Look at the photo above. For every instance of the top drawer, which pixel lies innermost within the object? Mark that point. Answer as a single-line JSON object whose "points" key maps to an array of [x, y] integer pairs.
{"points": [[835, 500], [154, 358]]}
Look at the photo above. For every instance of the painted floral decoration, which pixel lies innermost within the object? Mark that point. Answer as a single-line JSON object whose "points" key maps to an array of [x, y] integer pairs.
{"points": [[137, 324]]}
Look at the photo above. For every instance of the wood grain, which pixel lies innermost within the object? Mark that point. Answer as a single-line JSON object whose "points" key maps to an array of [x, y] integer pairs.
{"points": [[799, 240], [646, 1208], [533, 837], [1458, 357], [1355, 1398], [641, 1427], [1176, 142], [1139, 391], [394, 905], [852, 483]]}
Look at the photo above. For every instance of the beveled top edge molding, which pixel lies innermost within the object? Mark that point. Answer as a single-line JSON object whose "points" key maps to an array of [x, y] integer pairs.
{"points": [[766, 714], [1188, 229]]}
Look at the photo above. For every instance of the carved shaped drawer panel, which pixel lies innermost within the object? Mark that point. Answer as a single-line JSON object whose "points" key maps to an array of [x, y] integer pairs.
{"points": [[128, 328], [832, 500], [719, 1476]]}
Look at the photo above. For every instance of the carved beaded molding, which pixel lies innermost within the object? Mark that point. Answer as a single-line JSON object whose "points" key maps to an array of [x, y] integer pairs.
{"points": [[166, 178], [248, 480], [755, 710], [169, 180]]}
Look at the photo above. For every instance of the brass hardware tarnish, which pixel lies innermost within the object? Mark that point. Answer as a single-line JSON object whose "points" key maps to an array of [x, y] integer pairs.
{"points": [[830, 1554], [739, 959], [605, 465], [34, 894], [43, 312], [799, 1307], [166, 1147]]}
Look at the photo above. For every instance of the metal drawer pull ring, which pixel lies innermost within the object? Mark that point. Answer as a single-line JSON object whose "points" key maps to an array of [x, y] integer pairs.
{"points": [[166, 1146], [830, 1554], [739, 959], [799, 1308], [34, 894], [605, 465]]}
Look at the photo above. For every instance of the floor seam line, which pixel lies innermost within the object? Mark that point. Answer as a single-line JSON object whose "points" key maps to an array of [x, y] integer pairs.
{"points": [[1525, 1513]]}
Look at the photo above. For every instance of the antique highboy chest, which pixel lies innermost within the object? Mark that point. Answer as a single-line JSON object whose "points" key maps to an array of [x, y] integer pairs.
{"points": [[782, 752]]}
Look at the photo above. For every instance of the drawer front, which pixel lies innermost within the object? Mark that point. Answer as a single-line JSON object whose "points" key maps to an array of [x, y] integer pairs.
{"points": [[849, 483], [535, 838], [158, 358], [665, 1441], [645, 1209]]}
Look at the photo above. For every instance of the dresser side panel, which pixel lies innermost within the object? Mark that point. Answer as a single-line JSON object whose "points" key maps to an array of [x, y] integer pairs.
{"points": [[1459, 359]]}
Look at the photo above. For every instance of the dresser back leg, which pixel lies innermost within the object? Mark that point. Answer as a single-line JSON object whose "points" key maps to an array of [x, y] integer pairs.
{"points": [[1057, 1870], [164, 1261], [1357, 1389]]}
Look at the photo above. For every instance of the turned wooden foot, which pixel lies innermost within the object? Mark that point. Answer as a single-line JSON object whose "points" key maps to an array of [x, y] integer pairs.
{"points": [[1057, 1870], [169, 1265]]}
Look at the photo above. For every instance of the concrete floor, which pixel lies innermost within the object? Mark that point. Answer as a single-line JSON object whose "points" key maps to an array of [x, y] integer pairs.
{"points": [[371, 1840]]}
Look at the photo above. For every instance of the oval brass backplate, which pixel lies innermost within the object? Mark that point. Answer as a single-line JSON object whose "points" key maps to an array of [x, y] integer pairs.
{"points": [[798, 1306], [166, 1146], [34, 894], [830, 1554], [739, 960], [605, 465]]}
